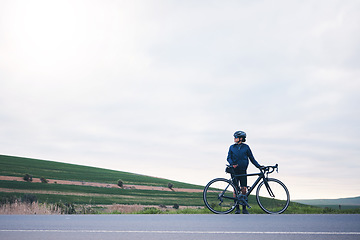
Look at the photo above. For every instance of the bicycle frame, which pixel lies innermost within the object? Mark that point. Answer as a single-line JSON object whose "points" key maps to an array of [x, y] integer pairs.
{"points": [[260, 175]]}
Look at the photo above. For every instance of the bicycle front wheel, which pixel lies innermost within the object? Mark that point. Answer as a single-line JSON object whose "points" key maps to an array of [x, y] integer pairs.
{"points": [[272, 196], [220, 196]]}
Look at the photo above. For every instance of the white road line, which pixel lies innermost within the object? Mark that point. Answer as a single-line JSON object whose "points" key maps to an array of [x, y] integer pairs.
{"points": [[181, 232]]}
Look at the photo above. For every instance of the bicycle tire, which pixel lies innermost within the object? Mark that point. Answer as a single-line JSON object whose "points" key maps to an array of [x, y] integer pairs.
{"points": [[218, 196], [276, 204]]}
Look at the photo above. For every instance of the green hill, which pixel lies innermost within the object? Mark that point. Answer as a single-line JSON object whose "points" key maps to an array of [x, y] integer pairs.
{"points": [[52, 193], [19, 166], [333, 203]]}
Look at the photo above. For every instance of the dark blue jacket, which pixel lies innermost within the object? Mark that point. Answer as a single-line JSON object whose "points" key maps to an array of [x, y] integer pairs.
{"points": [[239, 154]]}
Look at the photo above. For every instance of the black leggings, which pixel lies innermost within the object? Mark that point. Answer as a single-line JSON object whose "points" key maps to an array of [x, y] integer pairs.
{"points": [[242, 179]]}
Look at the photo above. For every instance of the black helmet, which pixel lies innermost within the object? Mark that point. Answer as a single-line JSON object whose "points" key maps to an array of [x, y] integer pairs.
{"points": [[240, 134]]}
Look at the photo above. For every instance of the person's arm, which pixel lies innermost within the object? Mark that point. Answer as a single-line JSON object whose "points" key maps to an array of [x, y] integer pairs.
{"points": [[252, 159]]}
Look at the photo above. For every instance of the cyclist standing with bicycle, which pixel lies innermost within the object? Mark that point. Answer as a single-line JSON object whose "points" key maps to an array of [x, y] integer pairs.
{"points": [[238, 157]]}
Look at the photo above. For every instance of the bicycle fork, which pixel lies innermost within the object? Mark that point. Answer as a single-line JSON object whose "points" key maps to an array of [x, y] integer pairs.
{"points": [[269, 189]]}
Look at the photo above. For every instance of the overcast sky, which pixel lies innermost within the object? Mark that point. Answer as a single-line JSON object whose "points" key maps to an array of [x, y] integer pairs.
{"points": [[159, 87]]}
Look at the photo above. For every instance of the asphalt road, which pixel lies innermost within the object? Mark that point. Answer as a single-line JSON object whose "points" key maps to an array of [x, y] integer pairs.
{"points": [[182, 227]]}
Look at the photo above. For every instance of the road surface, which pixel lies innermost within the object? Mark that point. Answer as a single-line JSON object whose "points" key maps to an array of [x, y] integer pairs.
{"points": [[179, 227]]}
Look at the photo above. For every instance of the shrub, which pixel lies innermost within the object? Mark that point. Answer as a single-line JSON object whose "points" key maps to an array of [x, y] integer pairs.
{"points": [[64, 208], [329, 210], [150, 210], [86, 210], [176, 206], [120, 183], [29, 198], [170, 185], [43, 180], [28, 178], [8, 200]]}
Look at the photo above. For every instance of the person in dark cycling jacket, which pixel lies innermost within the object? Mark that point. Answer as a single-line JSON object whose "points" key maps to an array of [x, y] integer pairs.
{"points": [[238, 157]]}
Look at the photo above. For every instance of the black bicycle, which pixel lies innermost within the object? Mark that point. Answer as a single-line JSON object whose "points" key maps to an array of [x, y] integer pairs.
{"points": [[223, 195]]}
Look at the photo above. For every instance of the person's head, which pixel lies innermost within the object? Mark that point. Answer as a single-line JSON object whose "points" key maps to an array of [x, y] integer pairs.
{"points": [[239, 137]]}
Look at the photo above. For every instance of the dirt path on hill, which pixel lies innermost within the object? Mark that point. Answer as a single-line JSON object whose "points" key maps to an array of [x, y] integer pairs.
{"points": [[104, 185], [62, 193]]}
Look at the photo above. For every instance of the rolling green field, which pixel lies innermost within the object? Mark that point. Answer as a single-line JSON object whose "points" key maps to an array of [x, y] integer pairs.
{"points": [[97, 196], [18, 166], [52, 193]]}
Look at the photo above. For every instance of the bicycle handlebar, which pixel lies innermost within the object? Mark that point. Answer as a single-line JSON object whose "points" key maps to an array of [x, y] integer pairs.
{"points": [[268, 169]]}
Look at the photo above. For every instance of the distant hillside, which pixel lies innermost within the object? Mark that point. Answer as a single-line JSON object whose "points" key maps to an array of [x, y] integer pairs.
{"points": [[355, 201], [74, 184], [19, 166]]}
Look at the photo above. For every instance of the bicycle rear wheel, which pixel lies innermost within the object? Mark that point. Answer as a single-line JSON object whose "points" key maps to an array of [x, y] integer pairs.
{"points": [[273, 197], [220, 196]]}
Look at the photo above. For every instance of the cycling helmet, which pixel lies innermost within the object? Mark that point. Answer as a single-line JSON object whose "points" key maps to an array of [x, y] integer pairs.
{"points": [[240, 134]]}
